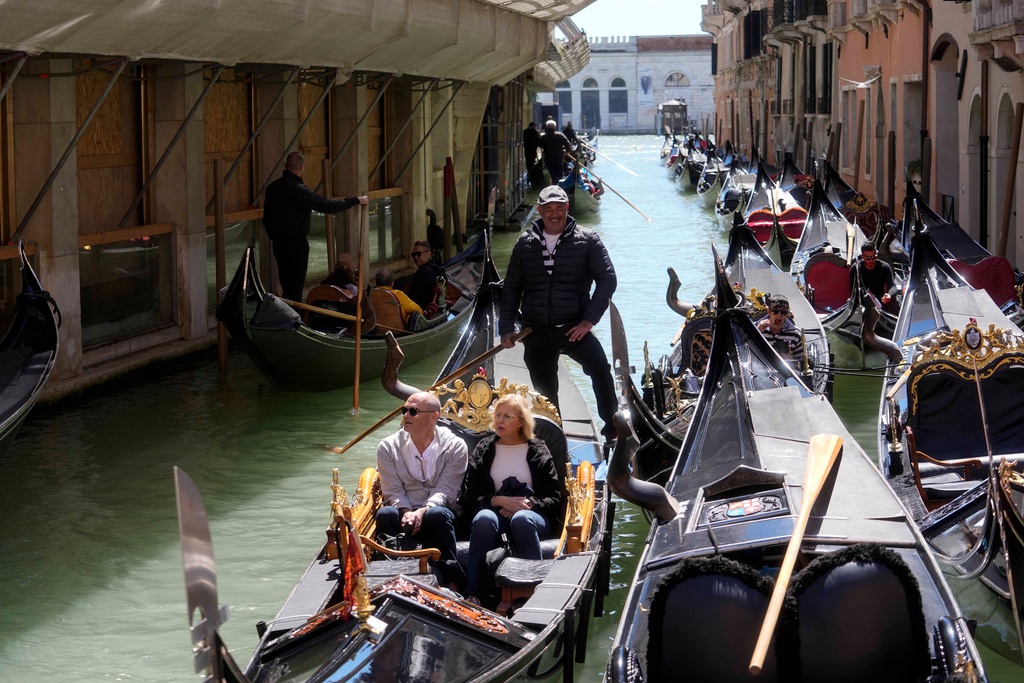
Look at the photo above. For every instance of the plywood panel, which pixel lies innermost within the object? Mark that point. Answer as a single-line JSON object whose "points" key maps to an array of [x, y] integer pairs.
{"points": [[227, 124], [109, 150]]}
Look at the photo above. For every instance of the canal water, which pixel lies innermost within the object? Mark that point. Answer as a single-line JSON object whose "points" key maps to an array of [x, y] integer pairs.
{"points": [[91, 587]]}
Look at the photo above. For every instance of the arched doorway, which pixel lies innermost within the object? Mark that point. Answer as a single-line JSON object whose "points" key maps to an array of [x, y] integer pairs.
{"points": [[1001, 167], [590, 105], [945, 58], [972, 201]]}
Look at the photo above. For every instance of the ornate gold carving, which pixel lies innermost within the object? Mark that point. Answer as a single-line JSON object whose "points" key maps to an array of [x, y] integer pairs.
{"points": [[470, 406], [964, 353], [1008, 475]]}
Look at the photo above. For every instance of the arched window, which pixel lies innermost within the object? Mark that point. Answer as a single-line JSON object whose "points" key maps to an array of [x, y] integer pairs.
{"points": [[564, 92], [618, 98], [590, 104], [676, 79]]}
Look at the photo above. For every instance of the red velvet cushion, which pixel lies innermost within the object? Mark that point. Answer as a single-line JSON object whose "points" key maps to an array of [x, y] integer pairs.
{"points": [[831, 283], [993, 274]]}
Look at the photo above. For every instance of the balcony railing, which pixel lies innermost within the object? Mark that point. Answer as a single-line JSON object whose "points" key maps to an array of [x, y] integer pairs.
{"points": [[775, 108], [825, 105], [782, 13], [787, 106], [809, 105]]}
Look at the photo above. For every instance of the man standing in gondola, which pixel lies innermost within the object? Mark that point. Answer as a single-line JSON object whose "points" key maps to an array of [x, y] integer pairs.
{"points": [[555, 146], [549, 277], [877, 276], [421, 470], [286, 217], [781, 332]]}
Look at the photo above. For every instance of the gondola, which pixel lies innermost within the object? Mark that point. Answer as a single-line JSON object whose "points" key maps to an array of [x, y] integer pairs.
{"points": [[949, 415], [859, 330], [584, 190], [663, 403], [981, 268], [359, 617], [758, 488], [297, 357], [865, 212], [795, 182], [712, 177], [769, 208], [693, 166], [28, 352], [735, 193]]}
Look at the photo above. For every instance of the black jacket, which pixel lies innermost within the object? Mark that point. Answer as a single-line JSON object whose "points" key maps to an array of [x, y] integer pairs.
{"points": [[554, 143], [563, 297], [289, 203], [548, 490], [423, 283]]}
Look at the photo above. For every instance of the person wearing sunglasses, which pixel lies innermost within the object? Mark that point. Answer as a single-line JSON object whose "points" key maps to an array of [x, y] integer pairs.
{"points": [[784, 336], [421, 469], [877, 276], [423, 286]]}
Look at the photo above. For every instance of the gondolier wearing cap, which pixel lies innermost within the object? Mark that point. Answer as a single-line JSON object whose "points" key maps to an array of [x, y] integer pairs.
{"points": [[553, 267], [781, 332]]}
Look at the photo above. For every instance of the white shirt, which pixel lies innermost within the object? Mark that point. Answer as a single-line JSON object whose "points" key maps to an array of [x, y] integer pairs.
{"points": [[510, 461], [422, 464]]}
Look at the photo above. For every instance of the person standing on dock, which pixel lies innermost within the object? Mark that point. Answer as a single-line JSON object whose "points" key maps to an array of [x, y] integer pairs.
{"points": [[286, 217], [550, 274], [555, 146]]}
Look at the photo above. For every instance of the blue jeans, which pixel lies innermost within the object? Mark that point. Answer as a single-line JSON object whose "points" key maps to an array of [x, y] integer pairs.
{"points": [[525, 530], [436, 531]]}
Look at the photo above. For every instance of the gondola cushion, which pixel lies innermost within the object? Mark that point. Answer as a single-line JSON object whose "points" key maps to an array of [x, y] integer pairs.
{"points": [[859, 618]]}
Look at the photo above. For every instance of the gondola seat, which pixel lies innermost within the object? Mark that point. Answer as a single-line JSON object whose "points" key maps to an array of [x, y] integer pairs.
{"points": [[828, 277], [994, 274], [704, 621], [859, 617], [388, 310], [332, 298], [695, 345]]}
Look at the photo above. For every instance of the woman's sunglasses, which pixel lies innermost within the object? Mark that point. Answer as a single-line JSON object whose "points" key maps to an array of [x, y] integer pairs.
{"points": [[415, 411]]}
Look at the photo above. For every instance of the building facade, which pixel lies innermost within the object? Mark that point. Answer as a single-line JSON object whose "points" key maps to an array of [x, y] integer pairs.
{"points": [[627, 78]]}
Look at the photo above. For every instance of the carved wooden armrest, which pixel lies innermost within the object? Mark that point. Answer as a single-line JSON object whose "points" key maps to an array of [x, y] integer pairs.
{"points": [[423, 554], [967, 463]]}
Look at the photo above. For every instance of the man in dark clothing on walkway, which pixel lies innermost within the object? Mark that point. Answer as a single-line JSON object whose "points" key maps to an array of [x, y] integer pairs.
{"points": [[550, 273], [286, 217], [531, 143], [877, 276], [555, 145]]}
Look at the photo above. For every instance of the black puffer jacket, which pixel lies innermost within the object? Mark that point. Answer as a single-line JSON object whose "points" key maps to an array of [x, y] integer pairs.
{"points": [[581, 260]]}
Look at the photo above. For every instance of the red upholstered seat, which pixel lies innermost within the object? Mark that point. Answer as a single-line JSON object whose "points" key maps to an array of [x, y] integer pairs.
{"points": [[761, 222], [831, 284], [792, 222], [993, 274]]}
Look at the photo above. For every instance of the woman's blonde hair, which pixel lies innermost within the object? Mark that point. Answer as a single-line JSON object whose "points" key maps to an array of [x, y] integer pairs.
{"points": [[523, 408]]}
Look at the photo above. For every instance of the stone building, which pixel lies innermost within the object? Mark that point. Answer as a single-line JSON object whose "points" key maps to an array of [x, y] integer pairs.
{"points": [[628, 77]]}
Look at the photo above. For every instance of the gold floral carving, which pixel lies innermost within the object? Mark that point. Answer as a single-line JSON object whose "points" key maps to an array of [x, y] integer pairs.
{"points": [[470, 407], [965, 353]]}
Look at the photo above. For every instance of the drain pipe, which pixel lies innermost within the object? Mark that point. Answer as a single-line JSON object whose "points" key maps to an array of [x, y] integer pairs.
{"points": [[926, 164], [983, 151]]}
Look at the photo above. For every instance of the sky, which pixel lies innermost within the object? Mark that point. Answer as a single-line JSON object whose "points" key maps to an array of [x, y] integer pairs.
{"points": [[606, 18]]}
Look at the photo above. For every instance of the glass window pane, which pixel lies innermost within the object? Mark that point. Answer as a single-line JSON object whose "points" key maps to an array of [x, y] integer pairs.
{"points": [[126, 287]]}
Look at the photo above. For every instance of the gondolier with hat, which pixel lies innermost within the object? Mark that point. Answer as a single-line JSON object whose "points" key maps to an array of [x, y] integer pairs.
{"points": [[784, 336], [550, 273]]}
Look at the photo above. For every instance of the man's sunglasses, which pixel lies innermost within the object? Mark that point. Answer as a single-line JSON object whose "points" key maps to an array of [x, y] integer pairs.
{"points": [[415, 411], [779, 309], [869, 258], [418, 253]]}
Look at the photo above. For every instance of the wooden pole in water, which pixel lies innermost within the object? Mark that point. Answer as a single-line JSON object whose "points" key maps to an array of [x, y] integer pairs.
{"points": [[1011, 179], [890, 192], [220, 250], [329, 218], [857, 147], [364, 231]]}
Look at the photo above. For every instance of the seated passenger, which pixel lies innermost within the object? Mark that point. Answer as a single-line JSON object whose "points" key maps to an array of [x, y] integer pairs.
{"points": [[384, 280], [511, 487], [877, 276], [423, 286], [421, 468], [344, 274], [781, 332]]}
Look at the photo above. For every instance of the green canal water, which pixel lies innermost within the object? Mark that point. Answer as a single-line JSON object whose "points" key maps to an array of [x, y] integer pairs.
{"points": [[91, 587]]}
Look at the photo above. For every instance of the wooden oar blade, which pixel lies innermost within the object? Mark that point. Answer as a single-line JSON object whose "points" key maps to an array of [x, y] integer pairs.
{"points": [[822, 451]]}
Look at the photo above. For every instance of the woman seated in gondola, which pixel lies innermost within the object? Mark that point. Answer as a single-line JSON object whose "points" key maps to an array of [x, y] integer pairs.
{"points": [[512, 487]]}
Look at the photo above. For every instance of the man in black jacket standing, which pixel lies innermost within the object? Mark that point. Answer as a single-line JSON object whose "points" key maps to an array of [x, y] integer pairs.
{"points": [[555, 146], [550, 273], [286, 217]]}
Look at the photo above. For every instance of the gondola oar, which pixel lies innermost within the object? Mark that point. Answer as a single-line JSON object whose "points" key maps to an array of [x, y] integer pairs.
{"points": [[476, 361], [821, 455], [594, 150], [605, 184], [334, 314]]}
